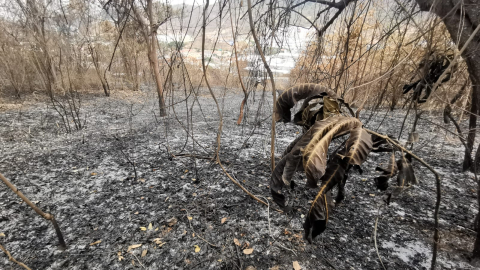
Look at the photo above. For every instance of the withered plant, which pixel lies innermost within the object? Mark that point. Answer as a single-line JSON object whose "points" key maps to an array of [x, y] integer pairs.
{"points": [[326, 166]]}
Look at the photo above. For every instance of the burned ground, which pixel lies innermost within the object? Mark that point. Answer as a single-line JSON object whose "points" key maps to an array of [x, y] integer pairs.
{"points": [[87, 181]]}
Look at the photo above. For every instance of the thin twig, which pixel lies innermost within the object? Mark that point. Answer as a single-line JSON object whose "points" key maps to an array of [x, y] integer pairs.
{"points": [[199, 236], [10, 258], [291, 250], [137, 259], [244, 189], [375, 240], [268, 217]]}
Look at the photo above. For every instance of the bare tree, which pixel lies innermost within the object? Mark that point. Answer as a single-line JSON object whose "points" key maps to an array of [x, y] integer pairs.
{"points": [[149, 25]]}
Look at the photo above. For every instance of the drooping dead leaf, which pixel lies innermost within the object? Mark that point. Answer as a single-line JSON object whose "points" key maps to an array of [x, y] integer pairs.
{"points": [[96, 243], [296, 266], [144, 252], [197, 248], [143, 228], [235, 240], [224, 219], [150, 227], [133, 247], [248, 251]]}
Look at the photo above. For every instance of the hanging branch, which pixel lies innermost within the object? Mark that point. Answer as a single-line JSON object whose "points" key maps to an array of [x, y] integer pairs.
{"points": [[46, 216], [436, 236], [270, 74]]}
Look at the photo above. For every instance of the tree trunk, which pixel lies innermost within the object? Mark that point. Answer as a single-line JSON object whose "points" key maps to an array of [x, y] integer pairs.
{"points": [[467, 161], [156, 73]]}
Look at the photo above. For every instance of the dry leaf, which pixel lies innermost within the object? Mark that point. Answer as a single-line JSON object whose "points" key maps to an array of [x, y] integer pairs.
{"points": [[133, 247], [296, 266], [190, 218], [143, 228], [224, 219], [141, 180], [120, 257], [133, 262], [93, 174], [186, 171], [248, 251], [136, 213], [197, 248], [235, 240], [276, 267], [193, 179], [96, 242], [144, 252], [2, 234], [150, 227], [159, 242]]}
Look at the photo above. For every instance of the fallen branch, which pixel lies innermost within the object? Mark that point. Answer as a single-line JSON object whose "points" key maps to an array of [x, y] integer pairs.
{"points": [[436, 237], [244, 189], [46, 216], [10, 258]]}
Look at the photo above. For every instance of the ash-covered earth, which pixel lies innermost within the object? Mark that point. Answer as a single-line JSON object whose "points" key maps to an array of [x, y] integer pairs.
{"points": [[182, 212]]}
